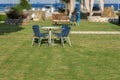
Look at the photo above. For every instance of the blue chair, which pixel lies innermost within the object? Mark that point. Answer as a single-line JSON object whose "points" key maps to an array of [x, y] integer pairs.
{"points": [[38, 35], [73, 19], [64, 35]]}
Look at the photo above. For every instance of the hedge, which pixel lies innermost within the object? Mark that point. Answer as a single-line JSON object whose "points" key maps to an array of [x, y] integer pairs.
{"points": [[3, 17]]}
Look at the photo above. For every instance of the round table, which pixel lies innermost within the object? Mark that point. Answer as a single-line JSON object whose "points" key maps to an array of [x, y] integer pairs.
{"points": [[50, 28]]}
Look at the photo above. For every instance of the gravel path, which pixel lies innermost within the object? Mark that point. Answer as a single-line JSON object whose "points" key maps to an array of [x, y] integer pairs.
{"points": [[95, 32]]}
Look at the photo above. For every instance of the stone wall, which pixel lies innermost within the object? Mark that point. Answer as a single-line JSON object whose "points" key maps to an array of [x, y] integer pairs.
{"points": [[37, 15], [16, 21], [102, 19]]}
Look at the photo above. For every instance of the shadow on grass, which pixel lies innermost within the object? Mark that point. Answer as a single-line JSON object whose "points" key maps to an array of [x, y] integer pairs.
{"points": [[5, 29], [115, 23], [45, 41]]}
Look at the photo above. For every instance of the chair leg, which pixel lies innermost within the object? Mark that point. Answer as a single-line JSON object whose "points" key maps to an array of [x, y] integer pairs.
{"points": [[69, 41], [53, 40], [62, 41], [39, 42], [33, 41]]}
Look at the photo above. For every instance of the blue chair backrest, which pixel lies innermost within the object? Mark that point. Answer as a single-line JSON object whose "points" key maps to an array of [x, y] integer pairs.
{"points": [[65, 30], [36, 30], [73, 18]]}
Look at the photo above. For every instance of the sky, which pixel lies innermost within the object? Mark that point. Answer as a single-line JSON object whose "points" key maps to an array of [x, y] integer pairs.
{"points": [[50, 1]]}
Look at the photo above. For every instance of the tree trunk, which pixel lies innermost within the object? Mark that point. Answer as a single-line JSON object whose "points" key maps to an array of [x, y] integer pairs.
{"points": [[119, 19], [67, 8]]}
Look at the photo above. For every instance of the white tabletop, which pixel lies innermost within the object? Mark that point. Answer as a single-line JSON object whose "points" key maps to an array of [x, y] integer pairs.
{"points": [[50, 27]]}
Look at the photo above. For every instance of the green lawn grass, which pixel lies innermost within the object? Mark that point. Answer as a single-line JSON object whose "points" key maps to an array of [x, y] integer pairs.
{"points": [[91, 57], [96, 26]]}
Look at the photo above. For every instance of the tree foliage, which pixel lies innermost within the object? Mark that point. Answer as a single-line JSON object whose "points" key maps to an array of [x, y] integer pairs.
{"points": [[24, 4], [66, 1], [16, 11]]}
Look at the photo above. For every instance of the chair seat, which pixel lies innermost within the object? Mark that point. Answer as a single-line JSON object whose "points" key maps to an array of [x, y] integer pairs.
{"points": [[64, 34], [43, 35], [58, 34]]}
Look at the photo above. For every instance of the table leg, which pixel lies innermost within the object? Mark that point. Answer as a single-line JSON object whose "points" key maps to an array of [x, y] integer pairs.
{"points": [[50, 32]]}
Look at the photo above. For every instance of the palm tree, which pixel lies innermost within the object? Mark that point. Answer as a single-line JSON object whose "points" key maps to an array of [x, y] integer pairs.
{"points": [[24, 4], [28, 0]]}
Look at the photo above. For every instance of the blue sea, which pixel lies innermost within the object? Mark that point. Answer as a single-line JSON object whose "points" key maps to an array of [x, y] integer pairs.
{"points": [[3, 6], [116, 6]]}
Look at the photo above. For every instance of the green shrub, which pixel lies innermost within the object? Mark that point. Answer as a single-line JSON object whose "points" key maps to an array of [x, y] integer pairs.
{"points": [[3, 17], [13, 13], [17, 11], [118, 13]]}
